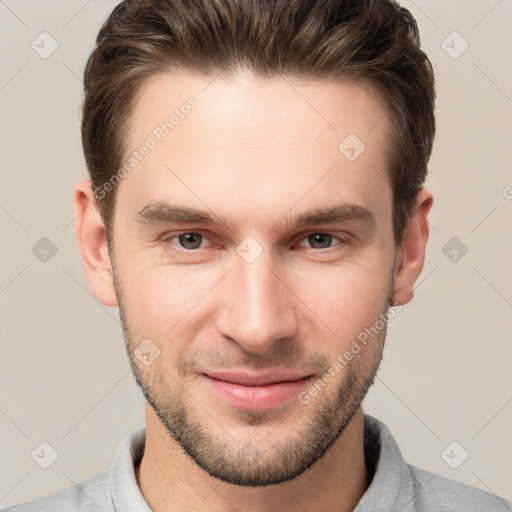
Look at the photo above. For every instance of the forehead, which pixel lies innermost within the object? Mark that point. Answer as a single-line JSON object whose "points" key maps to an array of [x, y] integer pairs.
{"points": [[255, 141], [242, 105]]}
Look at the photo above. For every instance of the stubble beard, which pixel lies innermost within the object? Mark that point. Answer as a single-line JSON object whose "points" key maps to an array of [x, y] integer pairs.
{"points": [[245, 462]]}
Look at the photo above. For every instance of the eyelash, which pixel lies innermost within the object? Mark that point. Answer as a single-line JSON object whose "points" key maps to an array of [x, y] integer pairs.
{"points": [[167, 240]]}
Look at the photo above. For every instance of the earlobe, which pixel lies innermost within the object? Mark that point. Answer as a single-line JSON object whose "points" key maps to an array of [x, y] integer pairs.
{"points": [[410, 256], [92, 240]]}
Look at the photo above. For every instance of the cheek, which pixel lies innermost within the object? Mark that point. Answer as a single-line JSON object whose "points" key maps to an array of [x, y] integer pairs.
{"points": [[172, 302], [346, 298], [160, 299]]}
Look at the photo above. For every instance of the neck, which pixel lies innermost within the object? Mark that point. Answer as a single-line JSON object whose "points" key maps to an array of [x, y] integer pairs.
{"points": [[171, 481]]}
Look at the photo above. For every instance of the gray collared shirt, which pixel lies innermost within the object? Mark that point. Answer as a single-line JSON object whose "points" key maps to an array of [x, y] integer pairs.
{"points": [[395, 485]]}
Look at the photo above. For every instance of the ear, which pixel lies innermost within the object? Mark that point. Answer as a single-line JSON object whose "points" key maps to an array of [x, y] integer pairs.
{"points": [[92, 240], [411, 254]]}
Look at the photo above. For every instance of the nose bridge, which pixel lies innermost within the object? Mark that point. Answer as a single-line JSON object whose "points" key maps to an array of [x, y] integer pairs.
{"points": [[260, 309]]}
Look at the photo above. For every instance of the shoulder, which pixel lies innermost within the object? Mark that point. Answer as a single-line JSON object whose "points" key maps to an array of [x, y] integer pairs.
{"points": [[87, 496], [399, 486], [433, 492]]}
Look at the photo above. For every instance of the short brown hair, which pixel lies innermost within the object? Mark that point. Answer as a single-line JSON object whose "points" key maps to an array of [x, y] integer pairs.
{"points": [[373, 42]]}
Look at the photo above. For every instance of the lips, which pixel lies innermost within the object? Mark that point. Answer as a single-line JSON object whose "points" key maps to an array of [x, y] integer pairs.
{"points": [[262, 378], [264, 390]]}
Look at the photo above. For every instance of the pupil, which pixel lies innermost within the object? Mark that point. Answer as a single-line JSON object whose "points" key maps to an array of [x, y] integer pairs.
{"points": [[323, 238], [187, 239]]}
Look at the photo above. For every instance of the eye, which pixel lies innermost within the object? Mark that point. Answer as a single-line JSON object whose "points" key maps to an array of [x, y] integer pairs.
{"points": [[187, 240], [192, 240], [322, 240]]}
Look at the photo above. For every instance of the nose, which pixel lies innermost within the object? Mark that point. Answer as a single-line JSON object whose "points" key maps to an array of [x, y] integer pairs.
{"points": [[258, 306]]}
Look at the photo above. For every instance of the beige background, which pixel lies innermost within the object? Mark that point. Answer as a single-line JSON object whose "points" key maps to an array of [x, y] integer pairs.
{"points": [[64, 375]]}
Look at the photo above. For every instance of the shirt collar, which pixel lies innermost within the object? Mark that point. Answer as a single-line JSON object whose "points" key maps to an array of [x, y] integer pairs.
{"points": [[388, 482], [125, 492]]}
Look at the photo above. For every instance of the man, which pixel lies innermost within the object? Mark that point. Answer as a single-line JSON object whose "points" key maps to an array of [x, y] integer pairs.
{"points": [[256, 210]]}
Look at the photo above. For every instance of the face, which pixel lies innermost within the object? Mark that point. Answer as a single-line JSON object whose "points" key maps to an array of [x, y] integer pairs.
{"points": [[248, 239]]}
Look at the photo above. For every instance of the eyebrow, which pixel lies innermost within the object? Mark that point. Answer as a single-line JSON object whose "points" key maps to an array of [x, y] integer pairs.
{"points": [[164, 212]]}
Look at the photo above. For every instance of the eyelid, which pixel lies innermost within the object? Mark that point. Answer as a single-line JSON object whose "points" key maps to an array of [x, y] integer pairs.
{"points": [[341, 239], [166, 238]]}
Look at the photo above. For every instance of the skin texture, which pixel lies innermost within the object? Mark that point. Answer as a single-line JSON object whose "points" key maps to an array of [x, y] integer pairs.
{"points": [[256, 153]]}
